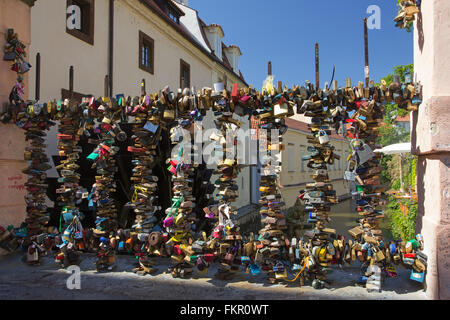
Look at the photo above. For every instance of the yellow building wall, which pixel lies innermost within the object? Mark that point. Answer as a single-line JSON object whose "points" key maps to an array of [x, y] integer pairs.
{"points": [[60, 50], [294, 176]]}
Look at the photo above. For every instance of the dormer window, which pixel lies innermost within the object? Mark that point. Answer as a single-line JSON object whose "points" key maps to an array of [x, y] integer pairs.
{"points": [[171, 9], [174, 16], [233, 53], [214, 33], [218, 47]]}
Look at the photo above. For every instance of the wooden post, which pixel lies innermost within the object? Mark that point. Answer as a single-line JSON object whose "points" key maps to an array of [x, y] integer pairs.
{"points": [[143, 91], [269, 68], [106, 86], [366, 53], [38, 77], [317, 66], [71, 82], [111, 47]]}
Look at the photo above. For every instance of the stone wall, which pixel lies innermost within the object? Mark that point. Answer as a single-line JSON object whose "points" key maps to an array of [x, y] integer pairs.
{"points": [[430, 139], [14, 14]]}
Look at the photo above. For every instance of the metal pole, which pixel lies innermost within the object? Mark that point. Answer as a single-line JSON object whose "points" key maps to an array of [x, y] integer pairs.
{"points": [[317, 66], [106, 86], [111, 47], [38, 77], [269, 68], [366, 53]]}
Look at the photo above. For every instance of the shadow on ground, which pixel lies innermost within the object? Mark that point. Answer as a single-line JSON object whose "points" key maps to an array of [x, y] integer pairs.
{"points": [[48, 281]]}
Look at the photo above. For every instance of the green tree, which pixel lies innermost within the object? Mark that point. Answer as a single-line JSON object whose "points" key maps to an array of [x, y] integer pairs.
{"points": [[389, 133], [401, 226]]}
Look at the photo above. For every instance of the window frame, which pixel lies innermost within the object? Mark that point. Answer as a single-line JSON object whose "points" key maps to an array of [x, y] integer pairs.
{"points": [[302, 153], [173, 15], [218, 46], [86, 37], [146, 39], [184, 64], [291, 157]]}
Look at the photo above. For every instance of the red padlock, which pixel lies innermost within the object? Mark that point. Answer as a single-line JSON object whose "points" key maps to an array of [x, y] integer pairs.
{"points": [[235, 93], [177, 250]]}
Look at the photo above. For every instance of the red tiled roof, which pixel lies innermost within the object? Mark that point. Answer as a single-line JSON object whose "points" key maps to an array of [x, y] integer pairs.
{"points": [[177, 8], [303, 126], [402, 119], [218, 26], [297, 125], [236, 47], [152, 5]]}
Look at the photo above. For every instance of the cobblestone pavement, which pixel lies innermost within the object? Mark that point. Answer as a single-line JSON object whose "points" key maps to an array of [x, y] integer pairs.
{"points": [[48, 281]]}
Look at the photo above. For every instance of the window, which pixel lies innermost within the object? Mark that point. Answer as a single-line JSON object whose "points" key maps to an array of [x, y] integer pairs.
{"points": [[218, 47], [84, 24], [302, 153], [146, 52], [185, 74], [291, 164], [339, 161], [174, 16], [236, 64]]}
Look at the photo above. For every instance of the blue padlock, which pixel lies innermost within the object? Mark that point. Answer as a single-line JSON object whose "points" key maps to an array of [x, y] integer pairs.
{"points": [[296, 267], [392, 248], [245, 260], [297, 253], [254, 269]]}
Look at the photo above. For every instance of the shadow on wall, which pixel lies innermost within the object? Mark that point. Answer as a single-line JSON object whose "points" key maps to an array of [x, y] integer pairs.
{"points": [[421, 37], [421, 170]]}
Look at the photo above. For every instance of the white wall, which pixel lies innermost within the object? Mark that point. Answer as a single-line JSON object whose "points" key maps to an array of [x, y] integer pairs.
{"points": [[59, 50]]}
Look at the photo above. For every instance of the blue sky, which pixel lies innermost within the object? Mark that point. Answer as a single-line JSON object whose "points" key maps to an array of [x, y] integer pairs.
{"points": [[285, 31]]}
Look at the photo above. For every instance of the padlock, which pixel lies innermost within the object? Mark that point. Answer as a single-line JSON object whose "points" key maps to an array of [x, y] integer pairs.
{"points": [[323, 137]]}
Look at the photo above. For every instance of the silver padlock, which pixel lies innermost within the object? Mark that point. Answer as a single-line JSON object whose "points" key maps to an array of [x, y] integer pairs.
{"points": [[323, 137]]}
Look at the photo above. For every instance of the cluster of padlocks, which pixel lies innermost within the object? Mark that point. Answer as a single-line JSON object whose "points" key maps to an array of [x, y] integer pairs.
{"points": [[144, 201], [270, 247], [407, 12], [181, 220], [35, 124], [14, 52], [318, 196], [178, 234]]}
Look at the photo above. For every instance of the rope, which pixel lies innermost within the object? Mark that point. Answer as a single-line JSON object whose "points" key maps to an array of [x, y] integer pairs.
{"points": [[135, 194], [300, 272]]}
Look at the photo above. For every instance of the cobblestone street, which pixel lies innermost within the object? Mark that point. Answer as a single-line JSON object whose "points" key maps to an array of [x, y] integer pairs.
{"points": [[47, 281]]}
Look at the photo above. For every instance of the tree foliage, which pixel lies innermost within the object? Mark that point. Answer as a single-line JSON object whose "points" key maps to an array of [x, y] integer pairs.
{"points": [[389, 133], [402, 227]]}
